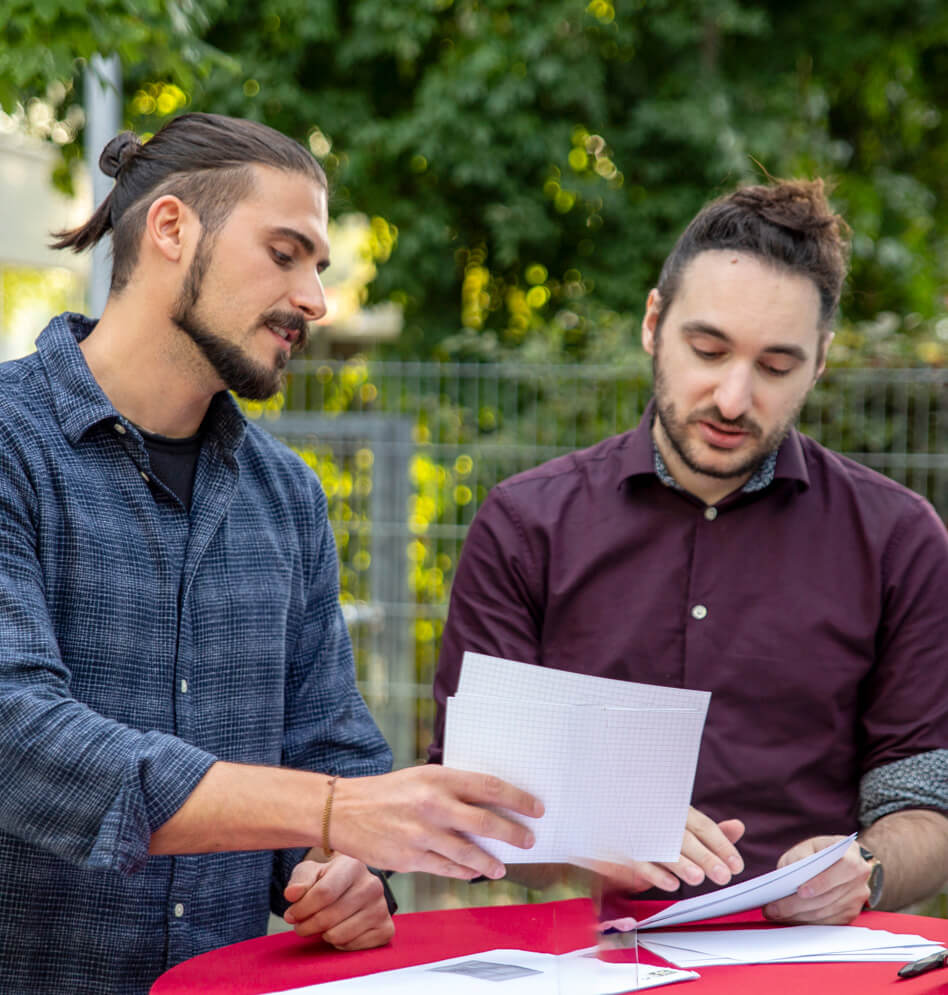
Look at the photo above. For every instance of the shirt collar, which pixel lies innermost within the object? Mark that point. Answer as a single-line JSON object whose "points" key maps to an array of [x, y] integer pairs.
{"points": [[642, 458], [791, 463], [762, 477], [80, 403]]}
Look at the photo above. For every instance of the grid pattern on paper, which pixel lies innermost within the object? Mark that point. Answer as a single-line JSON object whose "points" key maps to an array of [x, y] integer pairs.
{"points": [[482, 674], [648, 776], [615, 780], [494, 735]]}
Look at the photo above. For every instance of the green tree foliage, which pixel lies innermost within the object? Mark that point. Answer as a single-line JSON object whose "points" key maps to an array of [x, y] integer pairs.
{"points": [[538, 159], [857, 92], [529, 154], [49, 41]]}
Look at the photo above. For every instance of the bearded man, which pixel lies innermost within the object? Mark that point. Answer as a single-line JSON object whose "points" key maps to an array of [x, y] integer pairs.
{"points": [[184, 745], [716, 547]]}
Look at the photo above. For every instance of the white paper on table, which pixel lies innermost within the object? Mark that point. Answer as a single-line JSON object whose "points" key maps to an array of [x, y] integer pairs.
{"points": [[582, 972], [612, 761], [517, 972], [788, 944], [893, 955], [752, 894], [692, 960]]}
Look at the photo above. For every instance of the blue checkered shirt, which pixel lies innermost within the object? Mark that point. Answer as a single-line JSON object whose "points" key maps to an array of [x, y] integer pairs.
{"points": [[138, 644]]}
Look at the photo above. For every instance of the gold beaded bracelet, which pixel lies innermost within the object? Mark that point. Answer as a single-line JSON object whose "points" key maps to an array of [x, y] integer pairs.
{"points": [[327, 812]]}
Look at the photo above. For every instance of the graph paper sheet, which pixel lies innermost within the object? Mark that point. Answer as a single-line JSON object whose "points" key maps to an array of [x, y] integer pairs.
{"points": [[612, 761]]}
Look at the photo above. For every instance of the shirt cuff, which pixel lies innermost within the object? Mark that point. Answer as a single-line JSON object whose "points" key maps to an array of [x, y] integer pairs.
{"points": [[915, 782], [153, 789]]}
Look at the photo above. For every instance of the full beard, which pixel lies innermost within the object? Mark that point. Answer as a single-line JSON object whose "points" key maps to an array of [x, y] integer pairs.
{"points": [[676, 431], [244, 376], [239, 372]]}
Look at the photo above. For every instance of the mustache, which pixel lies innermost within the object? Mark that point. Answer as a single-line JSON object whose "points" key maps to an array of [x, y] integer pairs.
{"points": [[293, 320], [741, 424]]}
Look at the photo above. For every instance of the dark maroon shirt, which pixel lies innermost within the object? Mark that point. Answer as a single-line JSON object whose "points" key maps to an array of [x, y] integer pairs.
{"points": [[814, 610]]}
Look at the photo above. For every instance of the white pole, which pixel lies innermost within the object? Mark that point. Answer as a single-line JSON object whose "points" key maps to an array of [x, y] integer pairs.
{"points": [[103, 106]]}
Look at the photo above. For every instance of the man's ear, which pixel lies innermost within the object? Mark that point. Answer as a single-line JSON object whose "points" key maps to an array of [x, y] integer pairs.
{"points": [[653, 308], [169, 227], [824, 351]]}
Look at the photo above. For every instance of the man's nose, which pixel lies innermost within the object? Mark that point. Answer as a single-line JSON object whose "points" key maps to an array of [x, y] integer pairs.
{"points": [[734, 392], [310, 297]]}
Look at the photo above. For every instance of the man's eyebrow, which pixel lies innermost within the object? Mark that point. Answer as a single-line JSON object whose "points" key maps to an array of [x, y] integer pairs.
{"points": [[297, 236], [703, 328], [697, 327], [794, 351]]}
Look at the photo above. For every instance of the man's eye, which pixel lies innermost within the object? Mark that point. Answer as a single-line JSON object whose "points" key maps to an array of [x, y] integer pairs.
{"points": [[705, 354], [281, 258], [775, 371]]}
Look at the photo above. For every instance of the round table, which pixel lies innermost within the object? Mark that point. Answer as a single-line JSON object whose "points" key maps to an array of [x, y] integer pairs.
{"points": [[282, 961]]}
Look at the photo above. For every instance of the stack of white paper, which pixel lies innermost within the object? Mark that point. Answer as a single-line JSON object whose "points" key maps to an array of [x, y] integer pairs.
{"points": [[789, 944], [612, 761]]}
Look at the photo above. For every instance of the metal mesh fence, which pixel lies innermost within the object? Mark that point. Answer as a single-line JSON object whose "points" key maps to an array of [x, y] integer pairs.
{"points": [[407, 451]]}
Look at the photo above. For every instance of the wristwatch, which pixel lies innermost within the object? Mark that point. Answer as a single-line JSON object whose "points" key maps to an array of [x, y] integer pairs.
{"points": [[876, 876]]}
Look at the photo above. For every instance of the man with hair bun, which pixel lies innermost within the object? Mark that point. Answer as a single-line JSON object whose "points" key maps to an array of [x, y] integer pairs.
{"points": [[183, 741], [715, 547]]}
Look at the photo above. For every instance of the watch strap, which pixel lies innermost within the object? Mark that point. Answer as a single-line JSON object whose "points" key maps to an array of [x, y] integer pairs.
{"points": [[876, 876]]}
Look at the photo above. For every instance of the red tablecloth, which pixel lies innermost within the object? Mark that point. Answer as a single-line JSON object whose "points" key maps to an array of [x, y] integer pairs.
{"points": [[282, 961]]}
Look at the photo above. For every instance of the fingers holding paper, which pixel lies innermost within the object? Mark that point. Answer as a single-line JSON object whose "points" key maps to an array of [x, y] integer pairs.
{"points": [[708, 851], [835, 896], [341, 900], [419, 819]]}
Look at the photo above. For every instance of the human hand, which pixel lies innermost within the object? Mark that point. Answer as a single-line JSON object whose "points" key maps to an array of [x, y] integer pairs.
{"points": [[835, 896], [415, 820], [341, 900], [707, 850]]}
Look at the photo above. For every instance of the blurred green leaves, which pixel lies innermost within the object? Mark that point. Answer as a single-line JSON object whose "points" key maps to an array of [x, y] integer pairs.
{"points": [[45, 41], [500, 135]]}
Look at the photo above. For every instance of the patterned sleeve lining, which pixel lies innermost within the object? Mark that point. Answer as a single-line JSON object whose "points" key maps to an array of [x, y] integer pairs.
{"points": [[916, 782]]}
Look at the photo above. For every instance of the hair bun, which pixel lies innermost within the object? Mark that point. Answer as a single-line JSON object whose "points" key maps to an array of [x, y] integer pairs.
{"points": [[118, 152]]}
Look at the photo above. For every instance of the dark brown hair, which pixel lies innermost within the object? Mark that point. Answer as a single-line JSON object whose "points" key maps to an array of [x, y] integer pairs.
{"points": [[788, 223], [204, 159]]}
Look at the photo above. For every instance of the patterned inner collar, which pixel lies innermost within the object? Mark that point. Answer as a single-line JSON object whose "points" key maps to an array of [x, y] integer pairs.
{"points": [[762, 477]]}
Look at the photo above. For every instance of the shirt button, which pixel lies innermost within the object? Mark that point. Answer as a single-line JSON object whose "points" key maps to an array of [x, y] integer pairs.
{"points": [[184, 686], [699, 612], [178, 910], [120, 428], [711, 513]]}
